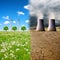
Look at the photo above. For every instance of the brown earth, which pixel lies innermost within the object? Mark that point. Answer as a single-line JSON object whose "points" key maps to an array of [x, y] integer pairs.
{"points": [[45, 45]]}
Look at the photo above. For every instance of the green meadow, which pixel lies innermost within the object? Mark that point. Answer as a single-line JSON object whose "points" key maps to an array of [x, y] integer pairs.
{"points": [[14, 45]]}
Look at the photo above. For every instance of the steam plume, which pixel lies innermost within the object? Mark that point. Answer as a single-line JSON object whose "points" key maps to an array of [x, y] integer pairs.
{"points": [[45, 6]]}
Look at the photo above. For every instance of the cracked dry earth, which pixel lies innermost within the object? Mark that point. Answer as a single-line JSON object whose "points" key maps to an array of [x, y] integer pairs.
{"points": [[45, 45]]}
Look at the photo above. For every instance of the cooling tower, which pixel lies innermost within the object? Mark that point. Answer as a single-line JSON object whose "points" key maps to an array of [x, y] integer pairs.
{"points": [[40, 25], [52, 26]]}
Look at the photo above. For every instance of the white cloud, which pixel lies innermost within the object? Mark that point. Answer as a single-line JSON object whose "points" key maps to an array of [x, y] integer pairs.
{"points": [[27, 7], [27, 21], [6, 17], [20, 13], [14, 22], [6, 22]]}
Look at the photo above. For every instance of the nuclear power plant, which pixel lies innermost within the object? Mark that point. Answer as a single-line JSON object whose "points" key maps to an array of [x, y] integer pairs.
{"points": [[51, 24]]}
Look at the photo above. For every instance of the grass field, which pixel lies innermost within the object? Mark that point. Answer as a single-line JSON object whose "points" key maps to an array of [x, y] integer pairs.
{"points": [[14, 46]]}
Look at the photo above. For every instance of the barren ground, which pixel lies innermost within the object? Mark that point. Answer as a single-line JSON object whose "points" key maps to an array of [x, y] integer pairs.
{"points": [[45, 45]]}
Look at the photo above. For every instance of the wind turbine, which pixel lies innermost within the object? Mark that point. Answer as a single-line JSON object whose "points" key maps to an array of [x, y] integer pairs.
{"points": [[18, 23], [11, 24]]}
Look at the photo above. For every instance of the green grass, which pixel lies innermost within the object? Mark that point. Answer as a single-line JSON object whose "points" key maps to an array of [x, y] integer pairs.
{"points": [[15, 46]]}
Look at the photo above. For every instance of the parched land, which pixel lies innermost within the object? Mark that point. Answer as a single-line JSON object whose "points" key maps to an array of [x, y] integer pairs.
{"points": [[45, 45]]}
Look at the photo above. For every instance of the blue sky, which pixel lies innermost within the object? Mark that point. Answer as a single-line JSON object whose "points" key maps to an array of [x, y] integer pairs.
{"points": [[13, 10]]}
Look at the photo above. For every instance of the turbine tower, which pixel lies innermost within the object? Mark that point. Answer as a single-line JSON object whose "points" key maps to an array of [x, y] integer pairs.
{"points": [[11, 24], [18, 23]]}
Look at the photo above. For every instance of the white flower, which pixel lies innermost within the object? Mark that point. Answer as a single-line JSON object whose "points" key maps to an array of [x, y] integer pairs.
{"points": [[5, 55], [13, 43], [17, 49], [3, 50], [26, 49], [11, 51], [4, 44], [26, 43], [11, 54], [23, 45], [28, 52], [10, 46], [18, 44]]}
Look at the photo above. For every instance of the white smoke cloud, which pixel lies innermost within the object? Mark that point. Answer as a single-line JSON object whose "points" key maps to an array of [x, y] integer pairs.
{"points": [[52, 15], [37, 7]]}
